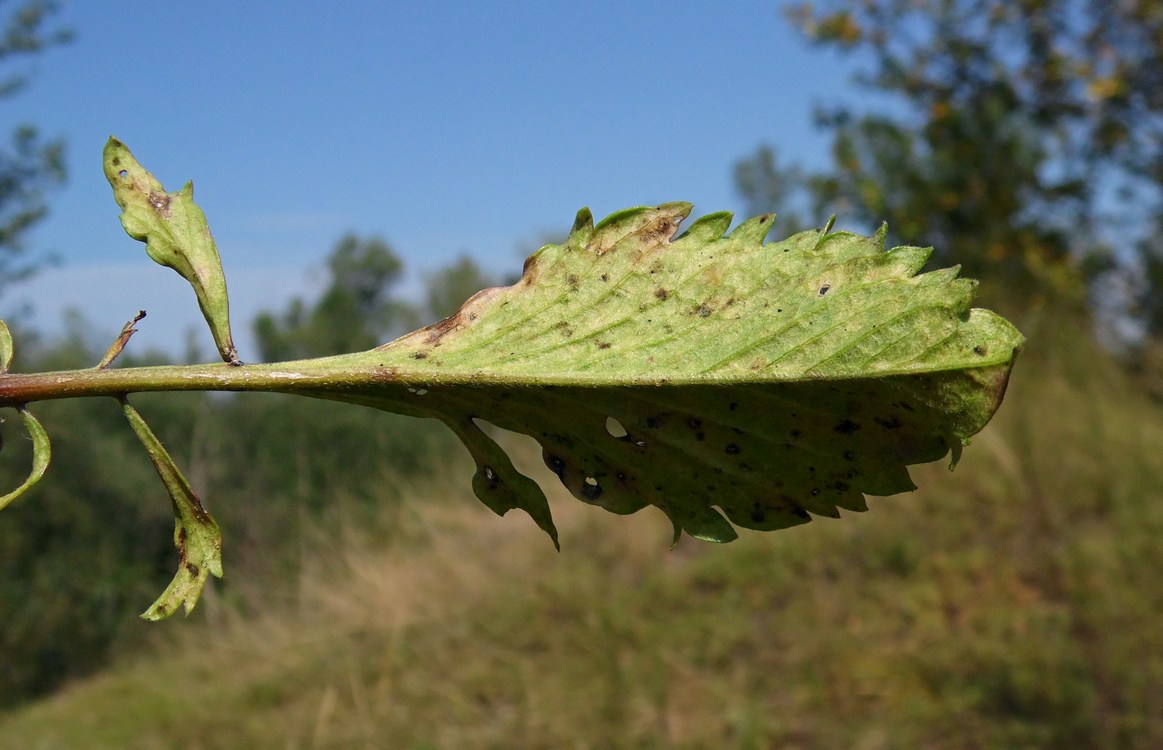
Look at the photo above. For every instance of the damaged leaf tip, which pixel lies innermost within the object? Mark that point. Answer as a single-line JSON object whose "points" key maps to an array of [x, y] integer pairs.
{"points": [[176, 235]]}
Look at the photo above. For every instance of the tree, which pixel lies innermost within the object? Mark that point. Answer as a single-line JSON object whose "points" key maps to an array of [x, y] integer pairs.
{"points": [[1026, 140], [356, 311], [29, 164], [449, 287]]}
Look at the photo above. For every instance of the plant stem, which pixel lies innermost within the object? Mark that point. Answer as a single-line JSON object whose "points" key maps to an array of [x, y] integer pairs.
{"points": [[305, 377]]}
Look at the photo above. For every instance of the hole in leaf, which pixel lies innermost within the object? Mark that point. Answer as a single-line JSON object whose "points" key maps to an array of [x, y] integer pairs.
{"points": [[591, 490], [615, 428], [123, 174]]}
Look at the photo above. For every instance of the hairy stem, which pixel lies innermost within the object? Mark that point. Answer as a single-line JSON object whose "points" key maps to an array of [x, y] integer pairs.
{"points": [[289, 377]]}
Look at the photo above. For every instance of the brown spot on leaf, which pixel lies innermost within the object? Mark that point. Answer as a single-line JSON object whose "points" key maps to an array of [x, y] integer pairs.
{"points": [[846, 427], [556, 464], [661, 293], [160, 203]]}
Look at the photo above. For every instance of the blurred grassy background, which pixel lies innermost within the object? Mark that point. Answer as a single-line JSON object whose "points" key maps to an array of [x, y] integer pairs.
{"points": [[1012, 603]]}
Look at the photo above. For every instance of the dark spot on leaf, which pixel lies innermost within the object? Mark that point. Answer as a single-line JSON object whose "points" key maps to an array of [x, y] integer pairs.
{"points": [[846, 427], [661, 293], [605, 277], [732, 406], [656, 421], [572, 280], [842, 486], [979, 351], [800, 512], [849, 456], [556, 465], [694, 423], [603, 344], [193, 569], [795, 434], [757, 514], [703, 311], [160, 203], [892, 423], [420, 355], [824, 289], [732, 449], [815, 491]]}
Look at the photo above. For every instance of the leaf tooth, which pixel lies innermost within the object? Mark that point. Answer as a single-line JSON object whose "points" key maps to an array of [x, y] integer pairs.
{"points": [[753, 231], [708, 228], [648, 225], [708, 524], [910, 259], [582, 232]]}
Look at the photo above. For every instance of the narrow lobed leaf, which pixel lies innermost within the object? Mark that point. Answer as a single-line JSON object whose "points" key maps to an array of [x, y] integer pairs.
{"points": [[196, 534], [41, 455], [176, 235], [5, 347]]}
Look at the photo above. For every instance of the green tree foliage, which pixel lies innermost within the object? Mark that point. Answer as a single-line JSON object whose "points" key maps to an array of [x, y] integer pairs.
{"points": [[1011, 126], [29, 164], [448, 288], [356, 311]]}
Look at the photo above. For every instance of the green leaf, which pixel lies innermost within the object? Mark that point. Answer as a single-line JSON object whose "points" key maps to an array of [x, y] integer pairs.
{"points": [[176, 235], [5, 347], [196, 534], [713, 376], [41, 453]]}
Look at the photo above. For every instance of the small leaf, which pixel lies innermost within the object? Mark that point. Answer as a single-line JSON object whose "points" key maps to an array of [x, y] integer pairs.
{"points": [[41, 453], [196, 534], [5, 347], [176, 235]]}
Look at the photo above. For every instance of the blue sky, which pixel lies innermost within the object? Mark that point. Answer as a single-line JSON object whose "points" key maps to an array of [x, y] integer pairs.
{"points": [[446, 128]]}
